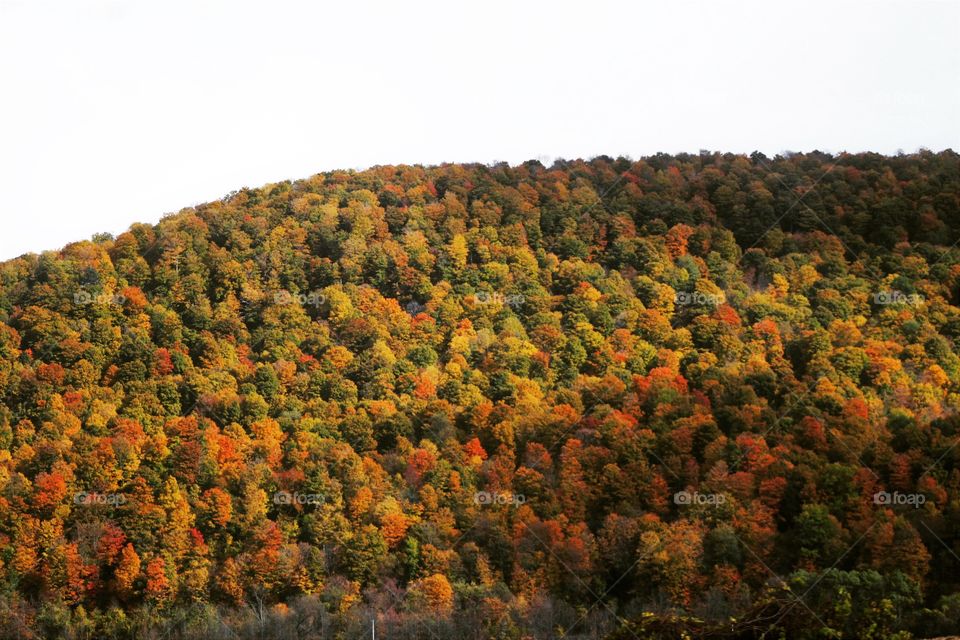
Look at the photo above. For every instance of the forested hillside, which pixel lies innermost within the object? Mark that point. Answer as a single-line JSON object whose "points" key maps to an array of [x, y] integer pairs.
{"points": [[710, 394]]}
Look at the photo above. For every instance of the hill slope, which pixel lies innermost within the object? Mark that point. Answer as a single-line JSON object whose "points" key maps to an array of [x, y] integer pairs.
{"points": [[497, 401]]}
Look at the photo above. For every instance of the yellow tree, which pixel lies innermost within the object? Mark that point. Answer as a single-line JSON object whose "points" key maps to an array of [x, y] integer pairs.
{"points": [[126, 573]]}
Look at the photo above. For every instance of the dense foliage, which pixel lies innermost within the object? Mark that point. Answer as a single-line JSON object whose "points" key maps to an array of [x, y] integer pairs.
{"points": [[704, 394]]}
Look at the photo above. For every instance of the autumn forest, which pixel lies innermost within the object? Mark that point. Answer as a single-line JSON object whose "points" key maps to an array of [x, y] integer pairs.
{"points": [[697, 395]]}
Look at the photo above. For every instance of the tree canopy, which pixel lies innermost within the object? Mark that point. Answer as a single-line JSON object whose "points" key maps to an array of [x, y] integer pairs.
{"points": [[695, 394]]}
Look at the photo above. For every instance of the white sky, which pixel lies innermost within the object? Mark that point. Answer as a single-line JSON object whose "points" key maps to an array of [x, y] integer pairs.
{"points": [[117, 111]]}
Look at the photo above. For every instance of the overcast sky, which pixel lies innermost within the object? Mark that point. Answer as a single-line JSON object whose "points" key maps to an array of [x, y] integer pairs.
{"points": [[118, 111]]}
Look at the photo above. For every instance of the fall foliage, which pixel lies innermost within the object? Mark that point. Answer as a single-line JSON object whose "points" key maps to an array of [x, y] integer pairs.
{"points": [[704, 394]]}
